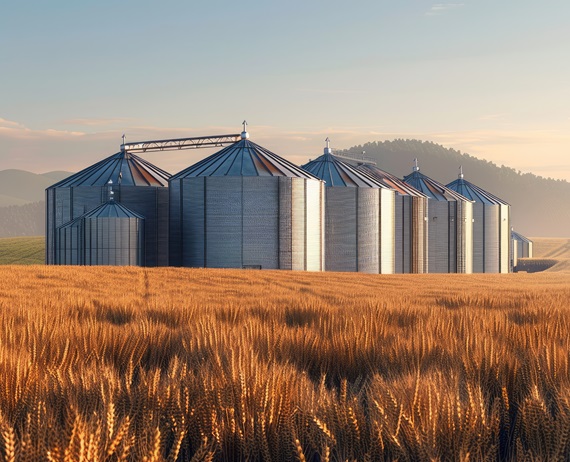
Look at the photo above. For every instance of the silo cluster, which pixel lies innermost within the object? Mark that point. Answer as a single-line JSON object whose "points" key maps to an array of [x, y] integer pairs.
{"points": [[491, 227], [137, 185], [359, 224], [410, 222], [246, 207], [450, 215]]}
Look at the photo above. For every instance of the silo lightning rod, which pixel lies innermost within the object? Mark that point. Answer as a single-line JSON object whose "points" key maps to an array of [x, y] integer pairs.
{"points": [[181, 143]]}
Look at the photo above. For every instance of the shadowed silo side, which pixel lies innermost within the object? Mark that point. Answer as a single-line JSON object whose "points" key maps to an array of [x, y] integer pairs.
{"points": [[491, 228], [108, 235], [246, 207], [450, 216], [359, 214], [138, 185], [411, 226]]}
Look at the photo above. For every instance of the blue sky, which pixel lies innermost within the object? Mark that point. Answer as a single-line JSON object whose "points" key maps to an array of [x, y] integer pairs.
{"points": [[490, 78]]}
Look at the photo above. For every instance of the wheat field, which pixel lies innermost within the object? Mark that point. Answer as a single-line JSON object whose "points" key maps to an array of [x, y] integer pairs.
{"points": [[133, 364]]}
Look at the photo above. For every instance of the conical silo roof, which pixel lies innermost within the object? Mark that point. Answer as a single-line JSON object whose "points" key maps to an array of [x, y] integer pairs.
{"points": [[431, 188], [390, 181], [473, 192], [335, 172], [243, 158], [121, 168], [112, 209], [519, 237]]}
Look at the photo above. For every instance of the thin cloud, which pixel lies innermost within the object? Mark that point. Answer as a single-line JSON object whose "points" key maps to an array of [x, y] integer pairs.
{"points": [[98, 122], [11, 129], [440, 8]]}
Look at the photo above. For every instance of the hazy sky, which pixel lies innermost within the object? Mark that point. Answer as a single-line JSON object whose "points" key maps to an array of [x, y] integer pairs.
{"points": [[491, 78]]}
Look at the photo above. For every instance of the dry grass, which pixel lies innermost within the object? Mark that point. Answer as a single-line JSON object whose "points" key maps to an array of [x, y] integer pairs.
{"points": [[109, 364], [556, 250]]}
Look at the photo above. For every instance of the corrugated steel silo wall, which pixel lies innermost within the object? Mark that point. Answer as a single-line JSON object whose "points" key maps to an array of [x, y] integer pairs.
{"points": [[152, 203], [401, 203], [368, 238], [479, 236], [515, 251], [285, 223], [492, 229], [419, 235], [224, 222], [314, 200], [505, 249], [341, 229], [175, 223], [438, 245], [260, 222], [113, 241], [298, 225], [68, 245], [387, 230], [465, 237]]}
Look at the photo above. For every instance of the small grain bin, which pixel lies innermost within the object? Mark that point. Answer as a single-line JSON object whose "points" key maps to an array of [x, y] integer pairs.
{"points": [[110, 234], [359, 217], [491, 227], [522, 247], [137, 184], [246, 207], [450, 217], [411, 225]]}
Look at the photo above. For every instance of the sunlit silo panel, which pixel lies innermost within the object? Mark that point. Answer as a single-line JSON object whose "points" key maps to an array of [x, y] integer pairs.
{"points": [[450, 217], [137, 184], [410, 213], [359, 217], [491, 228], [246, 207]]}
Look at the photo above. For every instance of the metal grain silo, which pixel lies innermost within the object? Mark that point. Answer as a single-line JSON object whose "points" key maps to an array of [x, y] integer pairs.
{"points": [[522, 246], [450, 217], [246, 207], [411, 225], [137, 184], [491, 227], [359, 217], [110, 234]]}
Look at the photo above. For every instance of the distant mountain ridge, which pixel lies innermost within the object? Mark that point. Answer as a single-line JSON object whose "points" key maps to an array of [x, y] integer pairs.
{"points": [[19, 187]]}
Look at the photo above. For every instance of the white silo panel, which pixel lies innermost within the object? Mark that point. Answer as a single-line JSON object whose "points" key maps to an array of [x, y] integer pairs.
{"points": [[224, 222], [387, 231], [438, 237], [491, 237], [340, 229], [419, 246], [399, 240], [285, 231], [453, 235], [505, 239], [314, 205], [407, 233], [368, 237], [261, 222], [467, 235], [298, 224], [478, 238]]}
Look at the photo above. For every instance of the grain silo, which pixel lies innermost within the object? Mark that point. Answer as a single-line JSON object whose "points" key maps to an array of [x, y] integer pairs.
{"points": [[359, 217], [491, 227], [246, 207], [450, 217], [138, 185], [411, 225], [110, 234], [522, 247]]}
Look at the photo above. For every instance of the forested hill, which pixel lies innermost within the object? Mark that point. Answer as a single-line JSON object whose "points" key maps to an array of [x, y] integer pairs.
{"points": [[540, 206]]}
